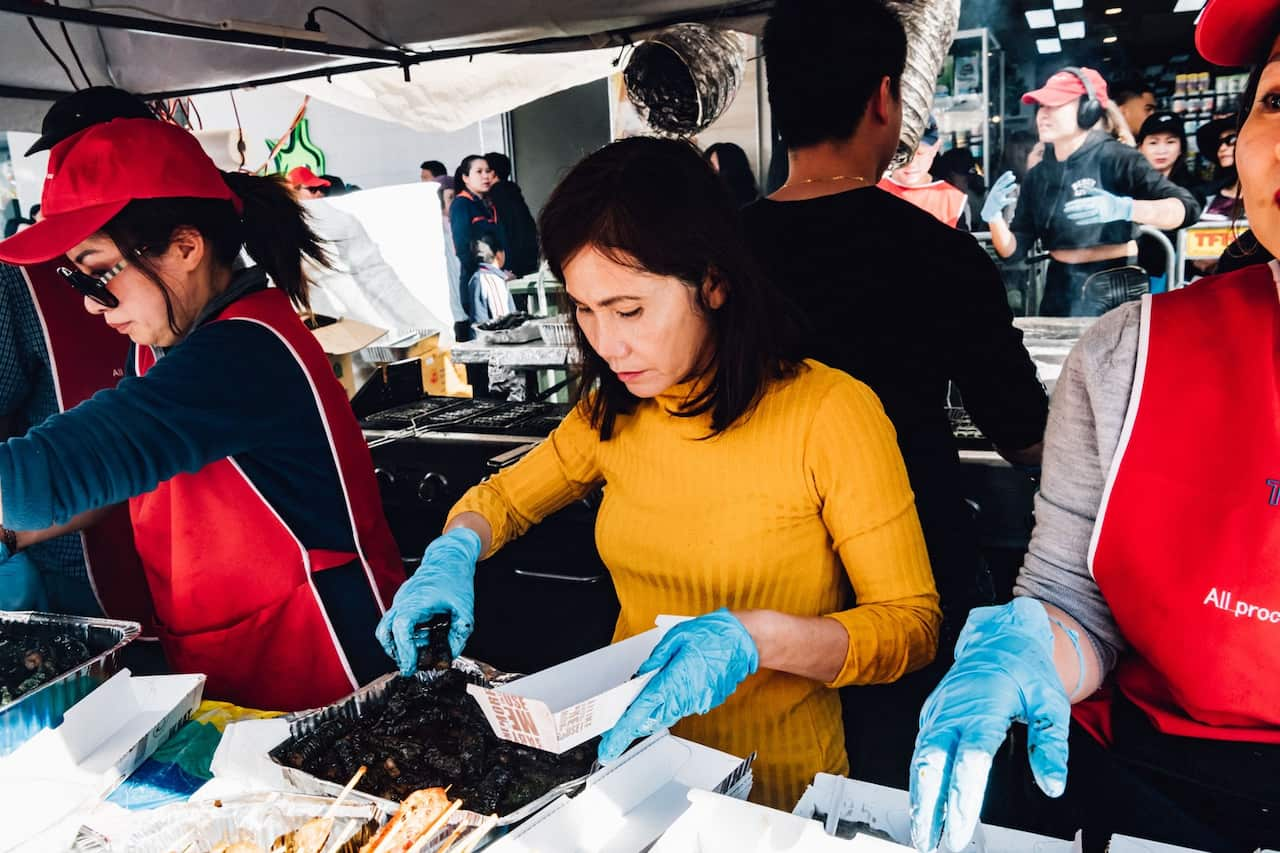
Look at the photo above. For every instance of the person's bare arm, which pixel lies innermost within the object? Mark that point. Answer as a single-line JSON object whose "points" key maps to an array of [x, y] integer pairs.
{"points": [[809, 646], [1166, 214], [476, 523], [1002, 238], [83, 521], [1075, 658]]}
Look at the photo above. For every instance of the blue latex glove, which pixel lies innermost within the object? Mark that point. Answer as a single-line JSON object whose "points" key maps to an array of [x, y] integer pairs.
{"points": [[1003, 673], [20, 584], [443, 583], [998, 197], [1098, 206], [700, 663]]}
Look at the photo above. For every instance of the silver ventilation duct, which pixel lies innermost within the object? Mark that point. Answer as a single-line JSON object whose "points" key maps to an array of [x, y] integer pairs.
{"points": [[931, 27], [684, 78]]}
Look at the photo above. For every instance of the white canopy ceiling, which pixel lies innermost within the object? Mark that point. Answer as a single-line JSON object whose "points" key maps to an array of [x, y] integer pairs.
{"points": [[113, 49]]}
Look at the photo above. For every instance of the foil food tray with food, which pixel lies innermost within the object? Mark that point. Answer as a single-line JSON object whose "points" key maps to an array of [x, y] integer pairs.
{"points": [[254, 818], [373, 696], [43, 708]]}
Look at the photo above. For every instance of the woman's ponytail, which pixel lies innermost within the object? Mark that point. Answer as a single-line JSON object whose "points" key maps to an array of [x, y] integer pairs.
{"points": [[277, 234]]}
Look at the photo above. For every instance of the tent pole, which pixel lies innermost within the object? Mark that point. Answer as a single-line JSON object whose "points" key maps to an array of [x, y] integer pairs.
{"points": [[150, 26]]}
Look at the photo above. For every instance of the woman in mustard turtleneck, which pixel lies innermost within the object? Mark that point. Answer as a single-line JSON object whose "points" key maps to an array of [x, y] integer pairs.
{"points": [[759, 492]]}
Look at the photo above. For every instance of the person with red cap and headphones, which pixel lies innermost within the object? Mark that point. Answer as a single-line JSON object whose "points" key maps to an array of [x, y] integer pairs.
{"points": [[1086, 197], [1144, 641], [254, 507]]}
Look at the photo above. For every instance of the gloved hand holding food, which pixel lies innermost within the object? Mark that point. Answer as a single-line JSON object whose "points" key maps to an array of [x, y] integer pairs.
{"points": [[699, 664], [998, 197], [1003, 673], [1099, 206], [443, 583]]}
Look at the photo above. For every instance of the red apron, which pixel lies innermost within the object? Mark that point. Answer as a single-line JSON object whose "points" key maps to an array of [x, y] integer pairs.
{"points": [[234, 588], [86, 356], [939, 198], [1186, 545]]}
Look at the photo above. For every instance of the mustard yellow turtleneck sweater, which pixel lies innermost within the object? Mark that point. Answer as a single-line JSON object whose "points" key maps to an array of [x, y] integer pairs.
{"points": [[803, 508]]}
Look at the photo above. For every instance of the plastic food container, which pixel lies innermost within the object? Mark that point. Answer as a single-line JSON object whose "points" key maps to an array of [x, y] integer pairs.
{"points": [[43, 707]]}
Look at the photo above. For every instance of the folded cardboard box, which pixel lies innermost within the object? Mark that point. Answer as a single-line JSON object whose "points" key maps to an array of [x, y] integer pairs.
{"points": [[102, 739], [718, 824], [561, 707], [847, 808], [341, 340], [630, 803]]}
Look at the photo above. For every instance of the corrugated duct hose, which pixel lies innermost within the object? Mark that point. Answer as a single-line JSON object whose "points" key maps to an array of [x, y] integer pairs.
{"points": [[684, 78]]}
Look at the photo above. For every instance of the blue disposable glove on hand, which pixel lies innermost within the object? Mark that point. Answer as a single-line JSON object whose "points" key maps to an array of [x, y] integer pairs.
{"points": [[998, 197], [443, 583], [1099, 206], [699, 663], [20, 584], [1003, 673]]}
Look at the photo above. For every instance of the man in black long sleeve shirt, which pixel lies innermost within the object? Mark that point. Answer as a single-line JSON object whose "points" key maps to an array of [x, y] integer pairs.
{"points": [[895, 298]]}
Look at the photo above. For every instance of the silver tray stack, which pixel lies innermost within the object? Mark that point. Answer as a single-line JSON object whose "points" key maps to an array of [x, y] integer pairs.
{"points": [[43, 707]]}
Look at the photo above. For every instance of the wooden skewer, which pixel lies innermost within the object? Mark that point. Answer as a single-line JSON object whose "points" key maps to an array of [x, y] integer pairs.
{"points": [[347, 790]]}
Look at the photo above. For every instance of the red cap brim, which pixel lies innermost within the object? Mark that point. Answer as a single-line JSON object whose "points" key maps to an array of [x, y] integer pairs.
{"points": [[1237, 32], [54, 235], [1050, 97]]}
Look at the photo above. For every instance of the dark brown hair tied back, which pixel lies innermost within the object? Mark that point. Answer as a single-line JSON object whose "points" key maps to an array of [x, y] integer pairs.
{"points": [[273, 229], [277, 234]]}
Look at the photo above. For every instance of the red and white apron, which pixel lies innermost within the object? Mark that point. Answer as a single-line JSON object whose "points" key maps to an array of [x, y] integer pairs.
{"points": [[86, 356], [1186, 550], [234, 587]]}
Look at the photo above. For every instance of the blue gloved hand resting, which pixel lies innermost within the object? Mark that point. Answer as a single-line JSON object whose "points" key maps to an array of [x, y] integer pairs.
{"points": [[443, 583], [1099, 206], [998, 197], [1003, 673], [20, 585], [699, 663]]}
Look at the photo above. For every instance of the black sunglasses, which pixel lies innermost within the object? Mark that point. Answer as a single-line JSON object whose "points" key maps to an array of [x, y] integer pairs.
{"points": [[94, 287]]}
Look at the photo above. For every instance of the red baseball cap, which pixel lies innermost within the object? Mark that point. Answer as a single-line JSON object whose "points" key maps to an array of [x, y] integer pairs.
{"points": [[1064, 87], [1237, 32], [94, 174], [302, 176]]}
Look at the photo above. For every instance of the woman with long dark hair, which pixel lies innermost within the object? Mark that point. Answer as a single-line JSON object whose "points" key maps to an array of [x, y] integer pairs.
{"points": [[1142, 645], [744, 485], [254, 508], [731, 164], [1217, 142], [471, 214]]}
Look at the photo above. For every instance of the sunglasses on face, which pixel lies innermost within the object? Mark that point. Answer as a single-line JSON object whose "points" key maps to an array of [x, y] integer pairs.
{"points": [[94, 287], [1227, 140], [312, 190]]}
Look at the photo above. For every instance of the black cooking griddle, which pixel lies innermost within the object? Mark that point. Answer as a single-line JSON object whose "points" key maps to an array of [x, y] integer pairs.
{"points": [[462, 415]]}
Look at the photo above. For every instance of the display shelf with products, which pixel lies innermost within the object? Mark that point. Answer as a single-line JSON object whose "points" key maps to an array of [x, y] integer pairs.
{"points": [[969, 92]]}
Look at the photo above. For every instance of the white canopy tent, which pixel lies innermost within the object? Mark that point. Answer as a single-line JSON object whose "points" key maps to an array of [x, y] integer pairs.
{"points": [[172, 48]]}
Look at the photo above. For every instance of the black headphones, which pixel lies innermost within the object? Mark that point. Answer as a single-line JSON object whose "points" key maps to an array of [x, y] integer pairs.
{"points": [[1090, 112]]}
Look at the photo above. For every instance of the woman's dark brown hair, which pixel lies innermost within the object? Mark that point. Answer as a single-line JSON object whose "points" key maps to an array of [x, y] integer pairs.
{"points": [[655, 206], [273, 230]]}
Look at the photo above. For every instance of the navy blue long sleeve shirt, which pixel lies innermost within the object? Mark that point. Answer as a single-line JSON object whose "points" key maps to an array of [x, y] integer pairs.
{"points": [[229, 388]]}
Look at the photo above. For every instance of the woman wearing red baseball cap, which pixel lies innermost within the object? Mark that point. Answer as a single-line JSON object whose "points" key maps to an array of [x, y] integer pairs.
{"points": [[251, 490], [1142, 648]]}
